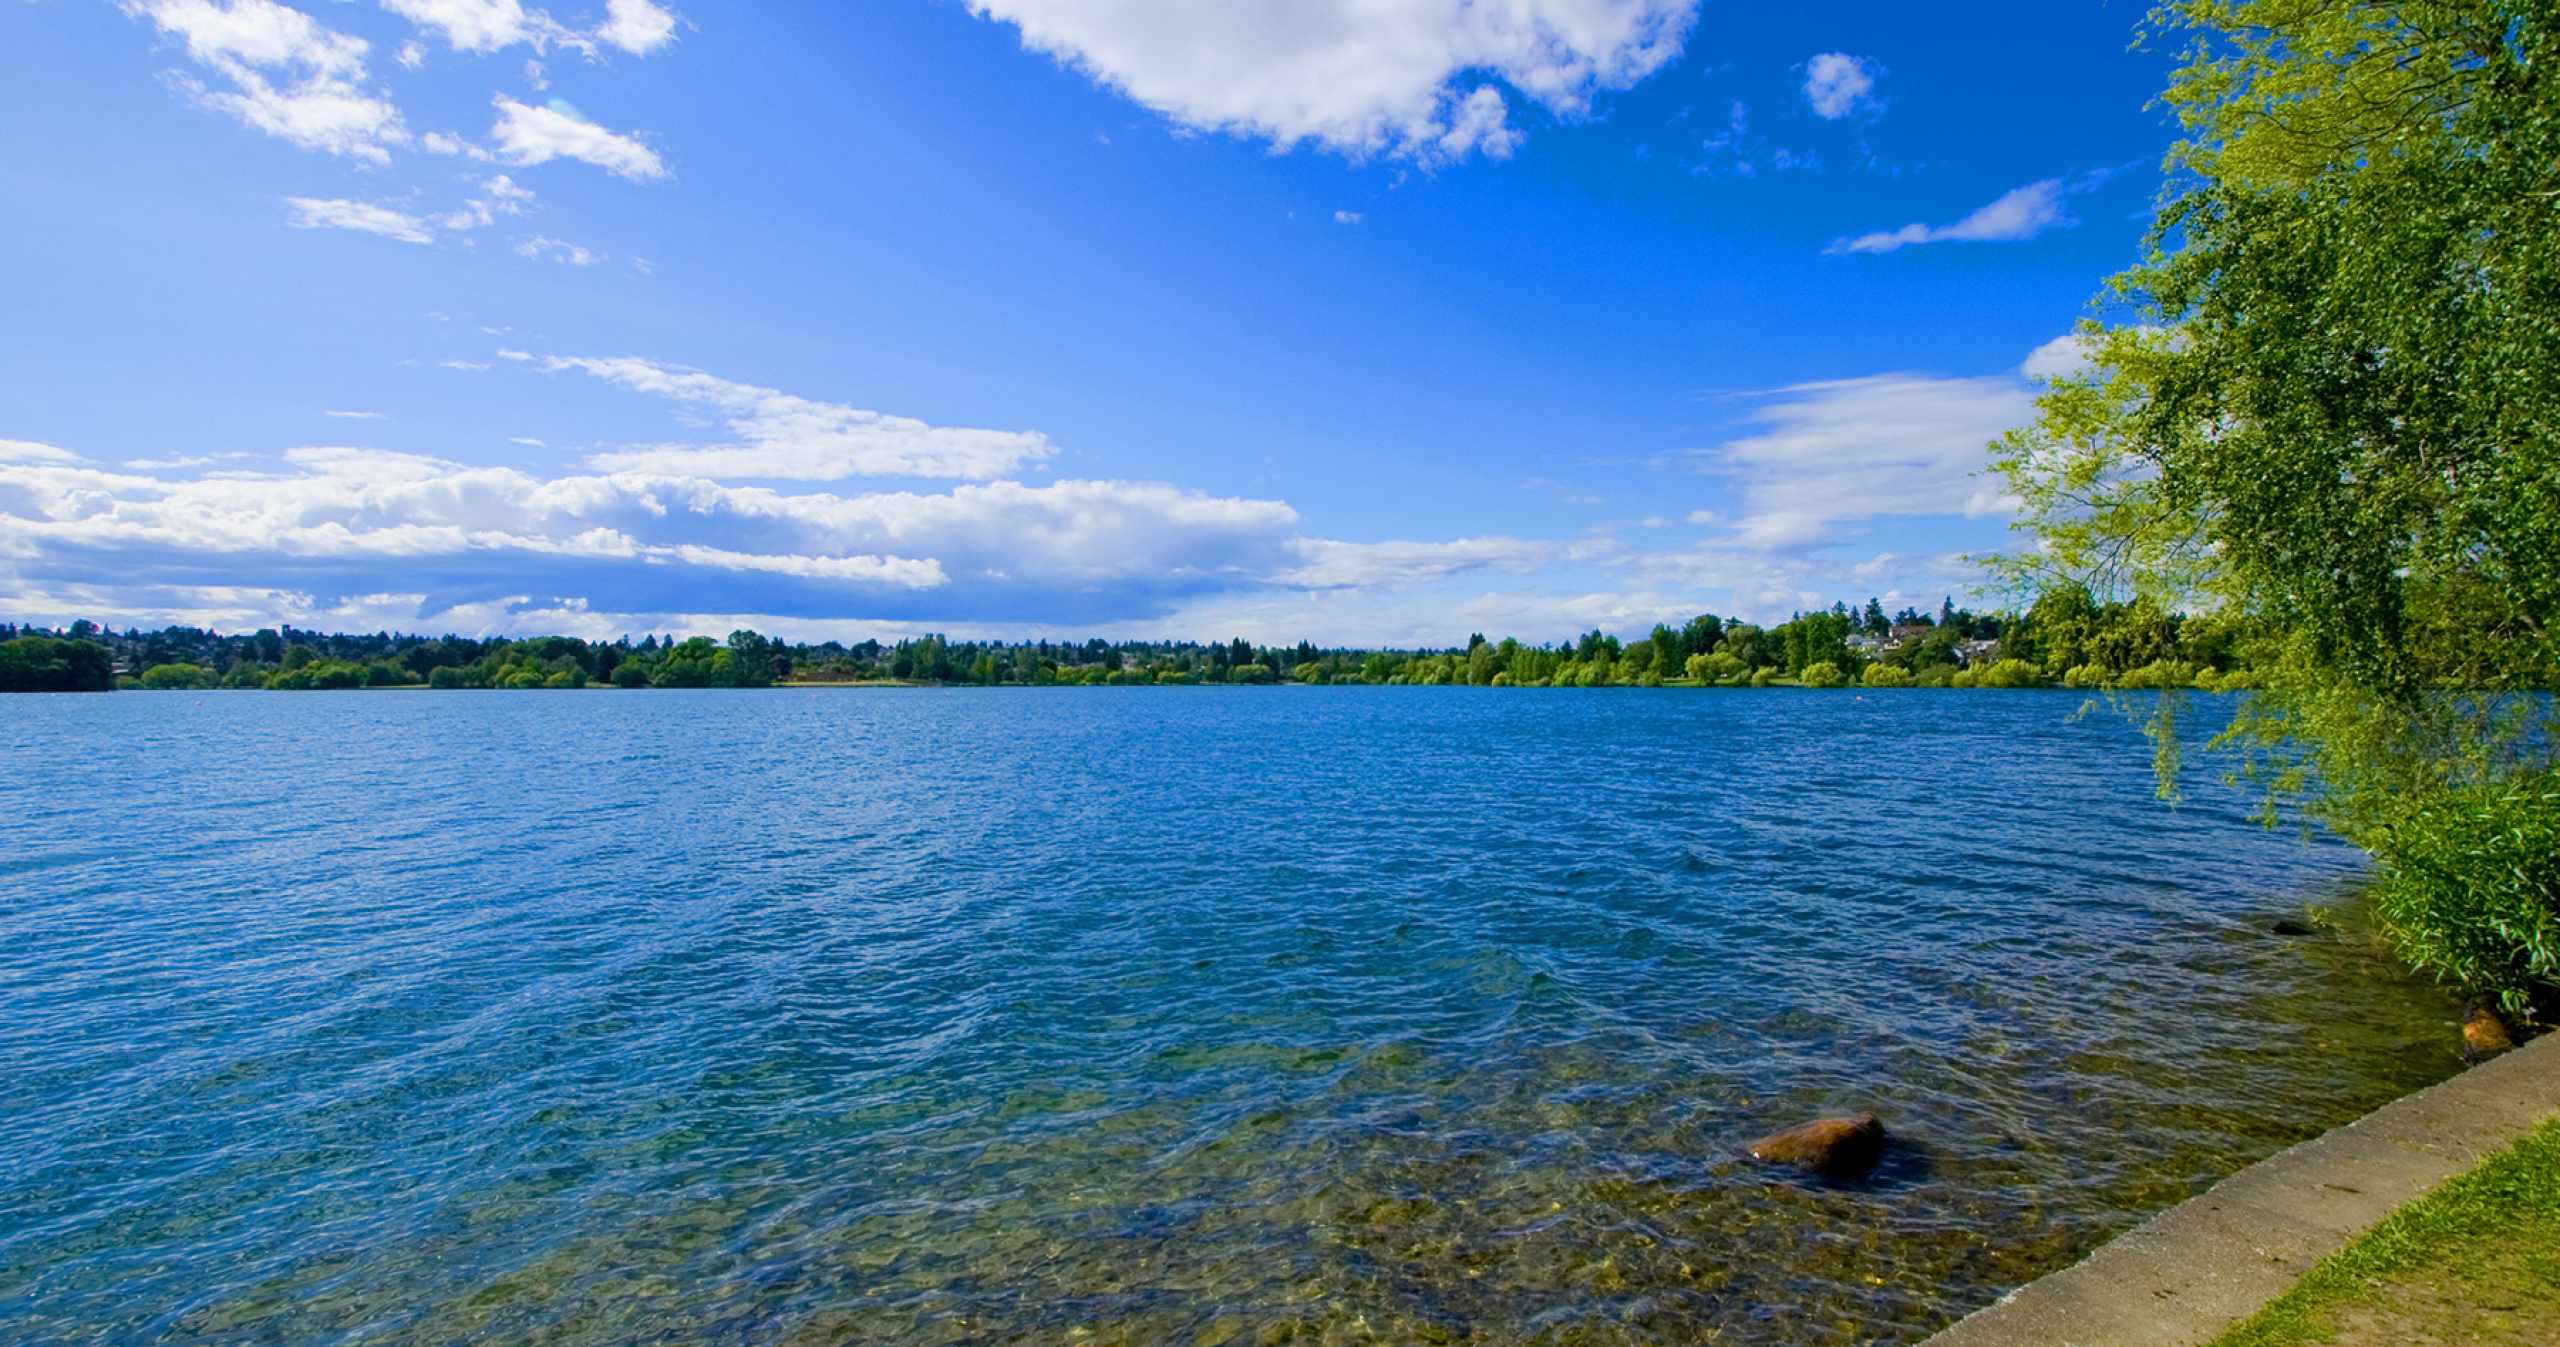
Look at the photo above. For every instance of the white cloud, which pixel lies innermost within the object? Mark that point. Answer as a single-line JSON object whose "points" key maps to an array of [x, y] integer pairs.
{"points": [[499, 196], [637, 26], [290, 77], [903, 571], [171, 464], [1480, 121], [2060, 358], [782, 436], [364, 217], [437, 142], [466, 366], [28, 451], [1830, 453], [1435, 616], [1360, 77], [528, 135], [1340, 565], [527, 441], [1836, 83], [411, 55], [339, 521], [355, 416], [1700, 517], [479, 25], [255, 33], [540, 248], [1346, 217], [2019, 214], [363, 538]]}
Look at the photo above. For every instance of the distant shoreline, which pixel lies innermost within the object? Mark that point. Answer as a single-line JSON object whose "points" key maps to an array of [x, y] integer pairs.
{"points": [[891, 684]]}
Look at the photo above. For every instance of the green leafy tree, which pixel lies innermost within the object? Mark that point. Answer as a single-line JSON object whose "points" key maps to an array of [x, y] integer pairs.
{"points": [[177, 677], [2329, 421], [50, 664]]}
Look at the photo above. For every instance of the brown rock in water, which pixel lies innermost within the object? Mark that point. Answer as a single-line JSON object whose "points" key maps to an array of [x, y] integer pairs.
{"points": [[1840, 1148], [2484, 1035]]}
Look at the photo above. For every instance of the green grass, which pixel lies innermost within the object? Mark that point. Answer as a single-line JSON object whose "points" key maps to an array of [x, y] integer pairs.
{"points": [[2490, 1238]]}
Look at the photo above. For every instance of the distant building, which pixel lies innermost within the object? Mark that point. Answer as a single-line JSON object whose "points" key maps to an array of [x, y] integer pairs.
{"points": [[1975, 652]]}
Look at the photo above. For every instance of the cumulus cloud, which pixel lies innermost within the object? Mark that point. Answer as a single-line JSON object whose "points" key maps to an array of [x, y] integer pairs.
{"points": [[477, 25], [637, 26], [2060, 358], [354, 416], [1837, 84], [289, 76], [1414, 79], [2019, 214], [1346, 217], [363, 217], [795, 438], [527, 135]]}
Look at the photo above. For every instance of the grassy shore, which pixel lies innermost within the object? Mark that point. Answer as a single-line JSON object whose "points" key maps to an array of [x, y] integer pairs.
{"points": [[2475, 1262]]}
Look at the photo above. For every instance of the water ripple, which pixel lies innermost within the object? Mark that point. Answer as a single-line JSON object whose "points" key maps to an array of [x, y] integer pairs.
{"points": [[1214, 1016]]}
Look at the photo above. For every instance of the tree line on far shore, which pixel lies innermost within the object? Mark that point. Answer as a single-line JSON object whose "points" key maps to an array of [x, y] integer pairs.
{"points": [[2067, 637]]}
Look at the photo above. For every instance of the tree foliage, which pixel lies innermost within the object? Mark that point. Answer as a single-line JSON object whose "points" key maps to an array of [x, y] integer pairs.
{"points": [[50, 664], [2326, 418]]}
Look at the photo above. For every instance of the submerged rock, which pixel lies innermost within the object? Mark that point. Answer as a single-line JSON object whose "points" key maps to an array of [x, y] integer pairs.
{"points": [[2288, 926], [2484, 1035], [1840, 1148]]}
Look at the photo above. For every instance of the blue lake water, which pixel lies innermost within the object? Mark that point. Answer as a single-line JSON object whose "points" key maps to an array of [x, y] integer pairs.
{"points": [[1147, 1015]]}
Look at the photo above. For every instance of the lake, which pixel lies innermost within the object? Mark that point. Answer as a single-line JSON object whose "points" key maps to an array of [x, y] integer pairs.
{"points": [[1145, 1015]]}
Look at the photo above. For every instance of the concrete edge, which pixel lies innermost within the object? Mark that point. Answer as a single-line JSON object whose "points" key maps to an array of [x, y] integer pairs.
{"points": [[2194, 1270]]}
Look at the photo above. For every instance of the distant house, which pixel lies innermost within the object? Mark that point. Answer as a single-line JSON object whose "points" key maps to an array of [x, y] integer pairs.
{"points": [[1975, 652], [1905, 633], [1867, 645]]}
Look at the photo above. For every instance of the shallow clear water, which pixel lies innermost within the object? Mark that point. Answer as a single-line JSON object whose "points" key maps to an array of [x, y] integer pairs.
{"points": [[1196, 1016]]}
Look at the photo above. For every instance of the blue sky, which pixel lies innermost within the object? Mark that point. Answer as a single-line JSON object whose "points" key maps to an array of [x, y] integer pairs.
{"points": [[1357, 322]]}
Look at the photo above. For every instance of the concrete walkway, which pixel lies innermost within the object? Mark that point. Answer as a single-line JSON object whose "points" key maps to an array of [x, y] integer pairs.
{"points": [[2211, 1261]]}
